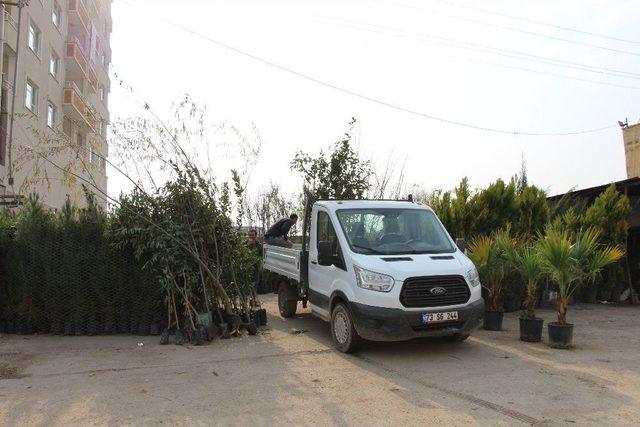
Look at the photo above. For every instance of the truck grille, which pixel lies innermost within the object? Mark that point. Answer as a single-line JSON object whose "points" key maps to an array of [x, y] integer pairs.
{"points": [[417, 291]]}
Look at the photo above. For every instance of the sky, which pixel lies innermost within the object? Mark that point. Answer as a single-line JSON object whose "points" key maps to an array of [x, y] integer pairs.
{"points": [[394, 65]]}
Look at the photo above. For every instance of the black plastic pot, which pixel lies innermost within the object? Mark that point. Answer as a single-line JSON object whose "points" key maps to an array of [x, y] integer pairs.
{"points": [[154, 328], [92, 328], [109, 328], [224, 330], [79, 330], [68, 328], [56, 327], [531, 329], [181, 336], [493, 320], [212, 331], [164, 337], [560, 336], [590, 294], [252, 328], [604, 294], [144, 328], [262, 316], [198, 336]]}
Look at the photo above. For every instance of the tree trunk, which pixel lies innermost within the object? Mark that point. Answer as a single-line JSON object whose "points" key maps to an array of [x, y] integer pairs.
{"points": [[494, 298], [562, 311], [531, 299]]}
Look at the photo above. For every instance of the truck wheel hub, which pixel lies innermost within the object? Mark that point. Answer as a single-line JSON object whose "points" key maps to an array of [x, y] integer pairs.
{"points": [[341, 327]]}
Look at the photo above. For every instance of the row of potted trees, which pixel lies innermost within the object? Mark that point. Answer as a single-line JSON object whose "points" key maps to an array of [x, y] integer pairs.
{"points": [[559, 256]]}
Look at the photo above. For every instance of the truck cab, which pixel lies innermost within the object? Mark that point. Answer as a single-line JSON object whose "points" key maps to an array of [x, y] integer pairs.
{"points": [[378, 270]]}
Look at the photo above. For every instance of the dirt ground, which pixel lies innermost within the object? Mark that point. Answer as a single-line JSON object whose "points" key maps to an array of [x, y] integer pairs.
{"points": [[289, 374]]}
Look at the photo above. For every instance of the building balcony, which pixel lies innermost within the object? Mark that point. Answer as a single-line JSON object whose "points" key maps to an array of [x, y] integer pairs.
{"points": [[79, 16], [77, 109], [78, 67], [10, 29]]}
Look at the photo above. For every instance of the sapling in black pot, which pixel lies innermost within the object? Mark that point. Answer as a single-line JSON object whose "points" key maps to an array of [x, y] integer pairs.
{"points": [[488, 259], [570, 259], [524, 257]]}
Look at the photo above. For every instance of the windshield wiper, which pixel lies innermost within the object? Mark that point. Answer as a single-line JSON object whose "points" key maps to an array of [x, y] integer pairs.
{"points": [[373, 251]]}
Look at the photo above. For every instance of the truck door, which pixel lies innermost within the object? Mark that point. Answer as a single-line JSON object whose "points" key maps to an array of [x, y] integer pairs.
{"points": [[322, 277]]}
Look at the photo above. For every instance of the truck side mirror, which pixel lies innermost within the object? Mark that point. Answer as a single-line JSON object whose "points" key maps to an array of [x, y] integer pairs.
{"points": [[461, 243], [325, 252]]}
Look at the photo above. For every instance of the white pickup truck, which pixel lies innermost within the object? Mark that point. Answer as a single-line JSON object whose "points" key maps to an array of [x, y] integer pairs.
{"points": [[377, 270]]}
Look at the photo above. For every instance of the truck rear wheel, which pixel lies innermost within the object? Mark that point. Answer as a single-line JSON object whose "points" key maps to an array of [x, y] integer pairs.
{"points": [[287, 300], [343, 333]]}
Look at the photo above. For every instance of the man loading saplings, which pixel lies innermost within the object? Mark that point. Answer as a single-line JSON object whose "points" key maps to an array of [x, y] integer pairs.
{"points": [[278, 234]]}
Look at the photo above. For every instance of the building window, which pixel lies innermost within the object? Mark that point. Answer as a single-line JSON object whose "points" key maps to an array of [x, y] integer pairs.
{"points": [[33, 38], [31, 98], [104, 60], [56, 15], [101, 93], [51, 115], [54, 64]]}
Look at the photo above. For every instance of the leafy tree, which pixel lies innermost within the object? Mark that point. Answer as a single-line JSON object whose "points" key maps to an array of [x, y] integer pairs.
{"points": [[496, 207], [533, 211], [440, 202], [338, 174], [463, 209], [609, 213]]}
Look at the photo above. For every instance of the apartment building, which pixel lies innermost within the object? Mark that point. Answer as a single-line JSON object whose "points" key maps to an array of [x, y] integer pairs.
{"points": [[61, 95]]}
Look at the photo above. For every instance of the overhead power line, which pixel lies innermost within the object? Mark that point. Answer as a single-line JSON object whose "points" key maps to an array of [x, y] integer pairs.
{"points": [[512, 67], [513, 29], [359, 95], [462, 44], [533, 21]]}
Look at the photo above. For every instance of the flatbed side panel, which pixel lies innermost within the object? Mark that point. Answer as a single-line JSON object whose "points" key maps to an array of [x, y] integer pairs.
{"points": [[284, 261]]}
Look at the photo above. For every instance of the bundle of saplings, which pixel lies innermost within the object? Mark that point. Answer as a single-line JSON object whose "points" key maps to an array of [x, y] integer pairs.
{"points": [[184, 236]]}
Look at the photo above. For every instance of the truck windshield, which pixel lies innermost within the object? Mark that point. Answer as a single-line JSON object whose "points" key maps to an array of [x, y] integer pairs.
{"points": [[394, 231]]}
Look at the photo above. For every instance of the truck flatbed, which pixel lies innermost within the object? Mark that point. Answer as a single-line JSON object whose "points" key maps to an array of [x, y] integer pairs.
{"points": [[284, 261]]}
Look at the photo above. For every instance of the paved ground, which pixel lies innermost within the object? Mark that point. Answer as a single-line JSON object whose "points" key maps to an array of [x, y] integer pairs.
{"points": [[297, 378]]}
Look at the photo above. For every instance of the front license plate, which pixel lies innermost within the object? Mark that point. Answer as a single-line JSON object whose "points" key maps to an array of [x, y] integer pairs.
{"points": [[447, 316]]}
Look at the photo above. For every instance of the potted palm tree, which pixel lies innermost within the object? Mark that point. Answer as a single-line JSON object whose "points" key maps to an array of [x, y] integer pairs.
{"points": [[569, 259], [525, 258], [487, 256]]}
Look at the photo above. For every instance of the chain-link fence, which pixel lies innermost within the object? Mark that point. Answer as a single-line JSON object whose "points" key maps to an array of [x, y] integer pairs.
{"points": [[60, 274]]}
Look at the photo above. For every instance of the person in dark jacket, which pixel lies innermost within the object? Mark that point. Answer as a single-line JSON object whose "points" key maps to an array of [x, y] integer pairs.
{"points": [[278, 234]]}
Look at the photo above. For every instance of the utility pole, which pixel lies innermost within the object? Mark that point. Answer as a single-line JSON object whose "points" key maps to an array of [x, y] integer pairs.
{"points": [[20, 4]]}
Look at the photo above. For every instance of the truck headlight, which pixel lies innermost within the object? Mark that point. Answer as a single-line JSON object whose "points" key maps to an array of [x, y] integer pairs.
{"points": [[372, 281], [473, 277]]}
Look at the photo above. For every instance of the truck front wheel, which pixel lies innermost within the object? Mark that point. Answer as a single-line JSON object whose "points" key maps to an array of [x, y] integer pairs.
{"points": [[287, 300], [344, 335]]}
